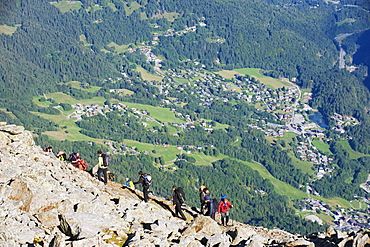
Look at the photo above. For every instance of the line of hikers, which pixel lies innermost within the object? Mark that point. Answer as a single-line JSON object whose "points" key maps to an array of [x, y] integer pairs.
{"points": [[74, 157], [209, 206]]}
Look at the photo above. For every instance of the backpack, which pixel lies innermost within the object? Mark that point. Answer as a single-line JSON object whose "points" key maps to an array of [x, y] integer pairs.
{"points": [[147, 179], [71, 156], [84, 165], [62, 157], [106, 159], [181, 194]]}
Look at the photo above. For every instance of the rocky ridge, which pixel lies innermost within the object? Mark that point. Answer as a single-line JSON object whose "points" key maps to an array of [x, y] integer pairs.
{"points": [[47, 202]]}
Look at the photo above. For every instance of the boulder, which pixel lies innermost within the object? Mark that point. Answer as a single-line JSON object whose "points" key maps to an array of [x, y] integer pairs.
{"points": [[203, 224], [242, 233]]}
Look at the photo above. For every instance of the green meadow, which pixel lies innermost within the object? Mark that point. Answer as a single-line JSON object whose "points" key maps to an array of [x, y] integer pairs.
{"points": [[322, 146], [352, 153], [148, 76], [66, 6], [280, 187], [131, 7], [163, 115], [170, 16], [118, 48], [254, 72], [8, 30], [64, 98], [77, 85], [168, 153], [70, 130]]}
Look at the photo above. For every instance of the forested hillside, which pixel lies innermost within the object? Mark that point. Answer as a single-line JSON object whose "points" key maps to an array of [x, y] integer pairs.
{"points": [[173, 59]]}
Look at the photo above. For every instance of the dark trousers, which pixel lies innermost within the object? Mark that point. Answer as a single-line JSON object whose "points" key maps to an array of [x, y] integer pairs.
{"points": [[178, 210], [104, 171], [146, 192], [203, 205]]}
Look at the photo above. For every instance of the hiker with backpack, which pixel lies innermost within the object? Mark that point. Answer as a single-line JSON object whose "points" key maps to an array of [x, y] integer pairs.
{"points": [[178, 198], [202, 195], [103, 161], [61, 156], [223, 209], [211, 205], [145, 180]]}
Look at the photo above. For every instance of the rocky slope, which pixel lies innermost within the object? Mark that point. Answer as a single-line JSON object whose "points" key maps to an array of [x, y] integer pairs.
{"points": [[47, 202]]}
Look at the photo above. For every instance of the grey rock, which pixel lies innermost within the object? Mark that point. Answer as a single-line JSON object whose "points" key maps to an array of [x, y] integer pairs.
{"points": [[362, 239], [257, 241], [300, 243], [242, 233], [48, 219], [204, 225], [220, 240], [12, 129]]}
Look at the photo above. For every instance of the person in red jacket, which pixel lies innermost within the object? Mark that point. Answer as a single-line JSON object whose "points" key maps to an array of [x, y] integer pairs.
{"points": [[223, 209]]}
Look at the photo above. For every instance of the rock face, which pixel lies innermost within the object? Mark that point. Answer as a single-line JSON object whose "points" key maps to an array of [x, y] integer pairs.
{"points": [[47, 202]]}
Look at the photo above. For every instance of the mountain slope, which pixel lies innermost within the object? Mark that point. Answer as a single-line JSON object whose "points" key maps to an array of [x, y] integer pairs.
{"points": [[46, 202]]}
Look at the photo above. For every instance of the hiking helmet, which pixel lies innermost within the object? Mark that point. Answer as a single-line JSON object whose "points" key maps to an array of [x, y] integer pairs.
{"points": [[223, 196]]}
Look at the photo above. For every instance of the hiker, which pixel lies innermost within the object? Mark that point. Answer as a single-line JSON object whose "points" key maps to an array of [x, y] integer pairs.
{"points": [[102, 167], [178, 198], [202, 194], [61, 156], [145, 183], [130, 184], [211, 208], [48, 150], [223, 209], [76, 161]]}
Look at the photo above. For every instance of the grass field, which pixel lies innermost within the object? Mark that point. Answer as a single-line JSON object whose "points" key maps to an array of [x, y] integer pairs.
{"points": [[161, 114], [8, 112], [83, 40], [347, 20], [322, 147], [112, 6], [334, 201], [125, 91], [8, 30], [352, 153], [65, 6], [77, 85], [280, 187], [64, 98], [304, 166], [71, 132], [268, 81], [118, 48], [181, 80], [131, 8], [148, 76], [170, 16], [168, 153]]}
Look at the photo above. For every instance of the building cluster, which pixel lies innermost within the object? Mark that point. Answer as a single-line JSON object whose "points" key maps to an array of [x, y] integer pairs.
{"points": [[342, 219], [343, 121]]}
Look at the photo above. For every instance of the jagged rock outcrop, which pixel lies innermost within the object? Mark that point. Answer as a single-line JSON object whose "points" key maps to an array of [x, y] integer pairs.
{"points": [[47, 202]]}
